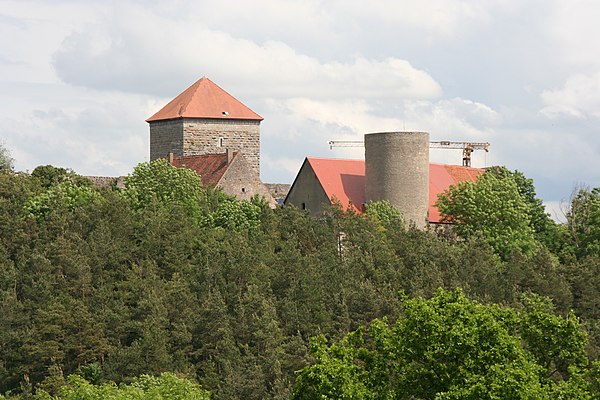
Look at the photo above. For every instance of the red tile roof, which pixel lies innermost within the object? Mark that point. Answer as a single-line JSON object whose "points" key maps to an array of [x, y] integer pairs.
{"points": [[341, 179], [345, 181], [210, 167], [205, 99]]}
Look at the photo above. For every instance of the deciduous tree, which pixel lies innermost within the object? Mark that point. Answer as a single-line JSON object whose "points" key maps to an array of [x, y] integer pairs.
{"points": [[491, 208], [167, 386], [449, 347]]}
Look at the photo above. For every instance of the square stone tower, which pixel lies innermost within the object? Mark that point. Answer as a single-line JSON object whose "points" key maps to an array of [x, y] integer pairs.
{"points": [[205, 119]]}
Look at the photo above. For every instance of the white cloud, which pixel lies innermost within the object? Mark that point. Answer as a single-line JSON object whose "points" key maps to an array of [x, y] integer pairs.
{"points": [[454, 117], [31, 32], [136, 57], [434, 18], [579, 97], [288, 166], [101, 133], [302, 127]]}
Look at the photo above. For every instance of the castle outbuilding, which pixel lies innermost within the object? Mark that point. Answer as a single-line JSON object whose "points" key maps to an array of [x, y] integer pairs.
{"points": [[205, 119], [396, 168], [230, 171]]}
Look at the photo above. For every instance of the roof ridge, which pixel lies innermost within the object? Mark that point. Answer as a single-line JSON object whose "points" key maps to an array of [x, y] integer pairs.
{"points": [[183, 108], [335, 159], [205, 99]]}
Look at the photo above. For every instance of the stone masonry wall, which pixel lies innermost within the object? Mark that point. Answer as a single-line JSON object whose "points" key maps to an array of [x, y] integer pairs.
{"points": [[213, 136], [241, 181], [166, 137], [397, 170]]}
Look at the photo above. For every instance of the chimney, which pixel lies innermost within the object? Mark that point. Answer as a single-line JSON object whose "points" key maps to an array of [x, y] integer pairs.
{"points": [[229, 153], [170, 158]]}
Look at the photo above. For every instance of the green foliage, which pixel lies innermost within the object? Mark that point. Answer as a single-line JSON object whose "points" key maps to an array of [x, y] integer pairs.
{"points": [[557, 344], [583, 220], [228, 293], [545, 229], [237, 215], [167, 386], [160, 182], [539, 219], [491, 208], [49, 176], [65, 196], [384, 213], [448, 347]]}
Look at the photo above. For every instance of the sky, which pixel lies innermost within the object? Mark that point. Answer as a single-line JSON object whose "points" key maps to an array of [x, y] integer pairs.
{"points": [[79, 78]]}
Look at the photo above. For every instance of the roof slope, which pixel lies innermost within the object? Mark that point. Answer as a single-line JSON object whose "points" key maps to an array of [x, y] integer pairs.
{"points": [[345, 181], [210, 167], [341, 179], [205, 99]]}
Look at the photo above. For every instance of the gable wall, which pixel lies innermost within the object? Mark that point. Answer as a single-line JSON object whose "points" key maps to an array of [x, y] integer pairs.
{"points": [[307, 190], [241, 181]]}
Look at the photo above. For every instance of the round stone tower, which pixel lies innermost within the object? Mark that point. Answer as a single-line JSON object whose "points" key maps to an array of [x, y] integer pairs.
{"points": [[397, 170]]}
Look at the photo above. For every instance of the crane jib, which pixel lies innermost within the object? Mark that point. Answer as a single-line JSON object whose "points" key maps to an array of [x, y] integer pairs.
{"points": [[466, 147]]}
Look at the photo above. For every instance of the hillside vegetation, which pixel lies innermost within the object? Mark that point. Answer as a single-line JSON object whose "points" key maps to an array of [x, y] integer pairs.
{"points": [[121, 285]]}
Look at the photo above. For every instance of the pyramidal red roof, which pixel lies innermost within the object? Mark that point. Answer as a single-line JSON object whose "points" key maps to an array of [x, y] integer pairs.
{"points": [[345, 181], [210, 167], [205, 99]]}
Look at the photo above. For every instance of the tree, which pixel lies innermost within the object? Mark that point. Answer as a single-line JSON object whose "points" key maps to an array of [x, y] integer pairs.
{"points": [[236, 215], [49, 176], [6, 161], [538, 217], [492, 208], [65, 196], [583, 220], [384, 213], [546, 231], [449, 347], [158, 182], [164, 387]]}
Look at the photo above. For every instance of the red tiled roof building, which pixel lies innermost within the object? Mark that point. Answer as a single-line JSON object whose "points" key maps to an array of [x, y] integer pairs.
{"points": [[322, 181], [396, 168], [230, 171]]}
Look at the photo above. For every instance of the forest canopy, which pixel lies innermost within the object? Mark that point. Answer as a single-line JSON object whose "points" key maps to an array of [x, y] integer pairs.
{"points": [[101, 287]]}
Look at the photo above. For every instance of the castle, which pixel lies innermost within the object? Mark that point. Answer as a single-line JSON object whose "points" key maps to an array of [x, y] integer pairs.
{"points": [[208, 130], [205, 119]]}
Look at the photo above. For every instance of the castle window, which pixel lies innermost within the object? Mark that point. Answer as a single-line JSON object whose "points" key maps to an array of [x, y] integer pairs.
{"points": [[221, 142], [303, 206], [243, 190]]}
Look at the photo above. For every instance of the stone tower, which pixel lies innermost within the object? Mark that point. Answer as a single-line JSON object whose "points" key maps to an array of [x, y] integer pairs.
{"points": [[397, 170], [205, 119]]}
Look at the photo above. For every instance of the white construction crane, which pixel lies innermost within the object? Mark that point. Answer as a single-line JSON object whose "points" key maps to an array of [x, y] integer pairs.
{"points": [[466, 147]]}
